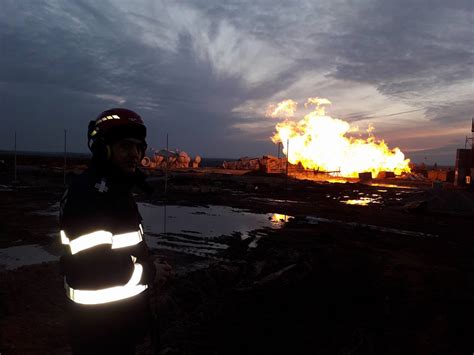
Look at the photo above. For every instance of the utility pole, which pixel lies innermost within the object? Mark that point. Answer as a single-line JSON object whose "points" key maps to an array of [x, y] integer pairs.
{"points": [[278, 154], [14, 161], [166, 169], [65, 153], [471, 143], [287, 155], [164, 218]]}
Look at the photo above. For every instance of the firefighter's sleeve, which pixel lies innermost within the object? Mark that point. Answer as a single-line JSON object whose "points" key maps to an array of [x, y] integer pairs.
{"points": [[86, 238]]}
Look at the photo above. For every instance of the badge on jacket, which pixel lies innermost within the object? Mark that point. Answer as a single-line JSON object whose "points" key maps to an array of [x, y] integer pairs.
{"points": [[102, 187]]}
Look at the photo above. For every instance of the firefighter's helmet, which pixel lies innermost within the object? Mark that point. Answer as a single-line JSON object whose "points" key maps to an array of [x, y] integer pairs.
{"points": [[114, 125]]}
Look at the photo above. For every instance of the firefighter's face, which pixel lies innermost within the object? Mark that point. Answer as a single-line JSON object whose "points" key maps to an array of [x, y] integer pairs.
{"points": [[126, 155]]}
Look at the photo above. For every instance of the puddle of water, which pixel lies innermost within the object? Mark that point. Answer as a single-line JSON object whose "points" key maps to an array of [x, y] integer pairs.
{"points": [[364, 201], [191, 230], [210, 222], [393, 186], [317, 220], [14, 257], [279, 219], [274, 200]]}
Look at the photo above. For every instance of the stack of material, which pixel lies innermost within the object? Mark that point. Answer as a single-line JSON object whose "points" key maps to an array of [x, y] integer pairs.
{"points": [[270, 164], [196, 161], [365, 176], [385, 174], [441, 175], [244, 163], [267, 164], [171, 160], [415, 177]]}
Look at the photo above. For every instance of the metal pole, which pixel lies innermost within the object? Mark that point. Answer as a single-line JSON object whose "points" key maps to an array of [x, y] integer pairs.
{"points": [[472, 137], [166, 168], [65, 153], [164, 218], [287, 155], [14, 161]]}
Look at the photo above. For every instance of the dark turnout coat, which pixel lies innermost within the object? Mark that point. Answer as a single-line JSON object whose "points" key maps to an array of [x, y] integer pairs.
{"points": [[106, 265]]}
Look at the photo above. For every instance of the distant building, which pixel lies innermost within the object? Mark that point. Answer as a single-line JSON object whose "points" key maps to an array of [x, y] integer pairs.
{"points": [[464, 168]]}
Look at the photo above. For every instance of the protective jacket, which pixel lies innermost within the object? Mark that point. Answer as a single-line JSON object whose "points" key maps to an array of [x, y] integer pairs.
{"points": [[105, 257]]}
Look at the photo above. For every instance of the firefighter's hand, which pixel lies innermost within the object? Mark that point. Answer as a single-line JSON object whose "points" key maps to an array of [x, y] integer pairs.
{"points": [[163, 272]]}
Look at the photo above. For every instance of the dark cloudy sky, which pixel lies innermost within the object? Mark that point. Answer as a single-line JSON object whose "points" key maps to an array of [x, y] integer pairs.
{"points": [[205, 71]]}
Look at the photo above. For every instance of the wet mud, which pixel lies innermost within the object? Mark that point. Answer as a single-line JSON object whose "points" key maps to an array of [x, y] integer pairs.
{"points": [[265, 265]]}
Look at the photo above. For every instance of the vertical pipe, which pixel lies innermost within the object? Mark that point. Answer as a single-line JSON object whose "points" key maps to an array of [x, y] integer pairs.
{"points": [[471, 170], [164, 218], [65, 154], [14, 160], [166, 185], [166, 169]]}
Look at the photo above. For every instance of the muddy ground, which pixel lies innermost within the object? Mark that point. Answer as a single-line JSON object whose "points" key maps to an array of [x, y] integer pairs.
{"points": [[395, 276]]}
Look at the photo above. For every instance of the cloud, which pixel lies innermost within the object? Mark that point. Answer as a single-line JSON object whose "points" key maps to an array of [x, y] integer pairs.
{"points": [[410, 51], [443, 155], [204, 73], [112, 98], [453, 110]]}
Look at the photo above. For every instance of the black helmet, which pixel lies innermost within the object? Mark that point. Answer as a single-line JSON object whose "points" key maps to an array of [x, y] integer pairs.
{"points": [[114, 125]]}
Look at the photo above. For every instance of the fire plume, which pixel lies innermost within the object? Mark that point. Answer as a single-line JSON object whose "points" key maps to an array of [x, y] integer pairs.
{"points": [[285, 108], [320, 142]]}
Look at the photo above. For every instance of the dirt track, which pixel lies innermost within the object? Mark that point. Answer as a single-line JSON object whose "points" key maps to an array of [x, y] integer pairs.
{"points": [[350, 284]]}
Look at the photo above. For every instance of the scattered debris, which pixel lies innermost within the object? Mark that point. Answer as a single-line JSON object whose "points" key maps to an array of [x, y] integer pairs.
{"points": [[170, 159]]}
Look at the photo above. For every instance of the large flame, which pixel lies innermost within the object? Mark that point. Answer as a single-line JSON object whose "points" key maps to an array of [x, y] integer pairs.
{"points": [[286, 108], [320, 142]]}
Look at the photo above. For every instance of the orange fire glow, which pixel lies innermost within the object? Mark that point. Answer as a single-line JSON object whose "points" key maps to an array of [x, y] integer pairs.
{"points": [[319, 142], [285, 108]]}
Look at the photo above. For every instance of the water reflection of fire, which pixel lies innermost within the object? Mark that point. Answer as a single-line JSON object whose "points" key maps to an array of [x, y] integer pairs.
{"points": [[320, 142], [278, 219], [363, 201]]}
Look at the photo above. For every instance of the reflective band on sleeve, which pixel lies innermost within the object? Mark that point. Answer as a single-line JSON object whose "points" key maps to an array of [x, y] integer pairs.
{"points": [[90, 240], [126, 239], [106, 295], [64, 239]]}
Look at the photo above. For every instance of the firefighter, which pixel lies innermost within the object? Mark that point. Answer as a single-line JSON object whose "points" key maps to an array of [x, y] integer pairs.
{"points": [[107, 268]]}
